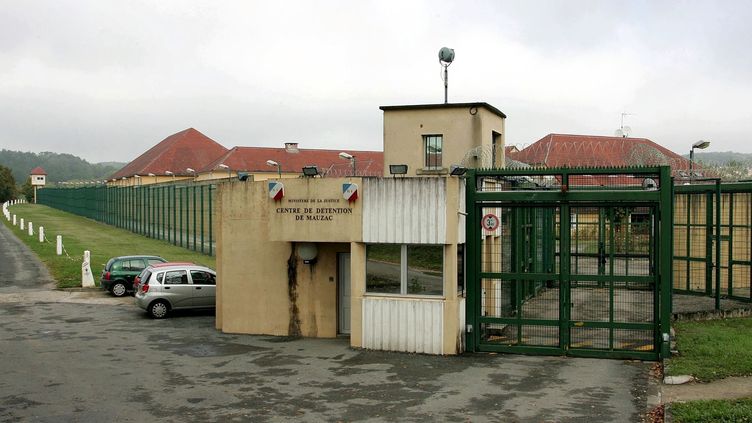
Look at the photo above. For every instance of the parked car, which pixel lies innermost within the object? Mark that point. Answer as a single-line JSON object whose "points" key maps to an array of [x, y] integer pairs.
{"points": [[119, 272], [150, 269], [176, 286]]}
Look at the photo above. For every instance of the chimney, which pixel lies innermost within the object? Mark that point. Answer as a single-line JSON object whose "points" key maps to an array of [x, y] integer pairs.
{"points": [[291, 147]]}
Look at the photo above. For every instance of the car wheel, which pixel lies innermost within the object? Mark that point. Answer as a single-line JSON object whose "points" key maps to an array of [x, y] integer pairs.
{"points": [[158, 309], [118, 289]]}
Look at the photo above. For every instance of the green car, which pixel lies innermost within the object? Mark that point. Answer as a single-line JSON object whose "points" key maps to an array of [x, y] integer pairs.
{"points": [[119, 272]]}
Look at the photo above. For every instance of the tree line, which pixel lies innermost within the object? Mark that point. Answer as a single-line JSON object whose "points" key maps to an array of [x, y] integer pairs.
{"points": [[59, 167]]}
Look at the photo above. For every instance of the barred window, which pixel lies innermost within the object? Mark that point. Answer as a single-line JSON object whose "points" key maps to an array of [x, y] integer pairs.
{"points": [[433, 149]]}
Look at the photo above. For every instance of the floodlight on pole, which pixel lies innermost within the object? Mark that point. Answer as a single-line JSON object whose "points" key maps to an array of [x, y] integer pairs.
{"points": [[349, 157], [224, 166], [446, 57], [700, 145], [272, 163]]}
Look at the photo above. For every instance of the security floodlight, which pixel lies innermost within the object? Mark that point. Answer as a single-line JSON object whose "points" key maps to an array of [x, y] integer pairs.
{"points": [[167, 172], [188, 169], [272, 163], [151, 174], [399, 169], [223, 166], [457, 170], [310, 171]]}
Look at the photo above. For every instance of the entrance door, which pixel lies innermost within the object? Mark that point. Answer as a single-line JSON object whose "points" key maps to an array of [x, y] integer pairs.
{"points": [[343, 292], [612, 292]]}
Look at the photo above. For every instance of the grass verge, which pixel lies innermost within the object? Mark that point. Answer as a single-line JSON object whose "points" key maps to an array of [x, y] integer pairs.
{"points": [[714, 349], [712, 411], [81, 234]]}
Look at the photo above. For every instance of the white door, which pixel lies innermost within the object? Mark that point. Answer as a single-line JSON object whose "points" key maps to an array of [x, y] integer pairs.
{"points": [[343, 292]]}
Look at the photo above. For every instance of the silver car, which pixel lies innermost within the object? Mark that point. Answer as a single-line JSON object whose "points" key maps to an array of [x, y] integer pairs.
{"points": [[175, 286]]}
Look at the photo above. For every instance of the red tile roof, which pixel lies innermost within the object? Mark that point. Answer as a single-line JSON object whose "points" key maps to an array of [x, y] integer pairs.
{"points": [[561, 150], [37, 171], [253, 159], [185, 149]]}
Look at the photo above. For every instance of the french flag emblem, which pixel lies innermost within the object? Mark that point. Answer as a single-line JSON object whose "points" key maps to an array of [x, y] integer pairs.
{"points": [[276, 190], [350, 191]]}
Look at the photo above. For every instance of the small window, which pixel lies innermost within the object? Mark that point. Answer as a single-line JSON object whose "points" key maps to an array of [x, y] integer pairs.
{"points": [[137, 265], [160, 277], [202, 278], [433, 146], [405, 269], [118, 265], [176, 277], [495, 148]]}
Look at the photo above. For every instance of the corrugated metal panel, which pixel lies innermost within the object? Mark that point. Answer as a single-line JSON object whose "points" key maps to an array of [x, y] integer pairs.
{"points": [[408, 325], [404, 210]]}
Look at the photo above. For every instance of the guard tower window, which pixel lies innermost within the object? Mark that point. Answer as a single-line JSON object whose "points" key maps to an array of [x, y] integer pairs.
{"points": [[433, 147], [495, 145]]}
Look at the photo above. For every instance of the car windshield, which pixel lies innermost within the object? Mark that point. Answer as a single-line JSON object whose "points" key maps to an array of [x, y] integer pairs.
{"points": [[144, 276]]}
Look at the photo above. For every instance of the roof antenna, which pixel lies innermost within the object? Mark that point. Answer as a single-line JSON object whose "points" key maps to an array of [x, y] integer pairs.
{"points": [[446, 56], [624, 131]]}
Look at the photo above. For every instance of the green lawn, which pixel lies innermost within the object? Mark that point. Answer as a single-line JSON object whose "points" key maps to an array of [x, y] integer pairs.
{"points": [[713, 411], [714, 349], [81, 234]]}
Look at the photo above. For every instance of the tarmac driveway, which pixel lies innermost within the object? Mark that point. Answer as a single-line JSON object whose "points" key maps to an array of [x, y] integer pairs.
{"points": [[88, 357]]}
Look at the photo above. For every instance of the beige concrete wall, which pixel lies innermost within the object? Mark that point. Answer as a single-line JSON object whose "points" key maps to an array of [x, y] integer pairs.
{"points": [[357, 290], [254, 243], [461, 130]]}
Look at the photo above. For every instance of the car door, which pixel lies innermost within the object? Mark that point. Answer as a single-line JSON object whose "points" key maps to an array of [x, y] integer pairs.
{"points": [[204, 288], [177, 289]]}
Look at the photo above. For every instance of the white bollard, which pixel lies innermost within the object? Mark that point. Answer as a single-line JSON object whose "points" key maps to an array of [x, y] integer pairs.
{"points": [[22, 223], [87, 279], [59, 247], [14, 220], [31, 229], [41, 234]]}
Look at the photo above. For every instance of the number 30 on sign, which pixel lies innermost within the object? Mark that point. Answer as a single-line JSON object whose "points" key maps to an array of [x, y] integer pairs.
{"points": [[490, 222]]}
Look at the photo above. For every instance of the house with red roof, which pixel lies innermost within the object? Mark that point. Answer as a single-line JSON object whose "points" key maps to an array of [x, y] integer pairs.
{"points": [[191, 155], [175, 157], [566, 150]]}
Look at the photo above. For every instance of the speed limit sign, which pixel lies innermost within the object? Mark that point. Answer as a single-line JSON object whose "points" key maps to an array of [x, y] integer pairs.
{"points": [[490, 222]]}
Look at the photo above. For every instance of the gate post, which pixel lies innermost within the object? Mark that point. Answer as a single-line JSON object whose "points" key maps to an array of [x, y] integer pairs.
{"points": [[472, 257], [666, 211]]}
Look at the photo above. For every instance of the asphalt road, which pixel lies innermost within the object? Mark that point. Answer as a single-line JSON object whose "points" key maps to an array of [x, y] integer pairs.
{"points": [[89, 357]]}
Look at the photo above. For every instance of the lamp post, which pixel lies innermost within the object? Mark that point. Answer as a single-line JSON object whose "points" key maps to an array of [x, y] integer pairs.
{"points": [[700, 145], [272, 163], [229, 172], [350, 157]]}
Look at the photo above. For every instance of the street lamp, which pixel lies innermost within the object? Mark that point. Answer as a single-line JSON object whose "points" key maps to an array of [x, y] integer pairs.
{"points": [[138, 179], [700, 145], [272, 163], [350, 157], [229, 172]]}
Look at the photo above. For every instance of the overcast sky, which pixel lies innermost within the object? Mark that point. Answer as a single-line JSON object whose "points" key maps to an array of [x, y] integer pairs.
{"points": [[106, 80]]}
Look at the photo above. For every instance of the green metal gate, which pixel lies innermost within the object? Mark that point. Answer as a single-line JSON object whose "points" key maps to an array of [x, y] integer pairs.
{"points": [[569, 261]]}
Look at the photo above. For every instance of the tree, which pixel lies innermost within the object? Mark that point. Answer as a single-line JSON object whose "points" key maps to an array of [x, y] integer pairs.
{"points": [[27, 190], [7, 185]]}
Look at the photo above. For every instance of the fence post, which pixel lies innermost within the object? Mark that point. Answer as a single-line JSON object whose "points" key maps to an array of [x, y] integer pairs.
{"points": [[14, 220], [87, 280], [41, 234], [31, 229], [59, 246], [22, 223]]}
